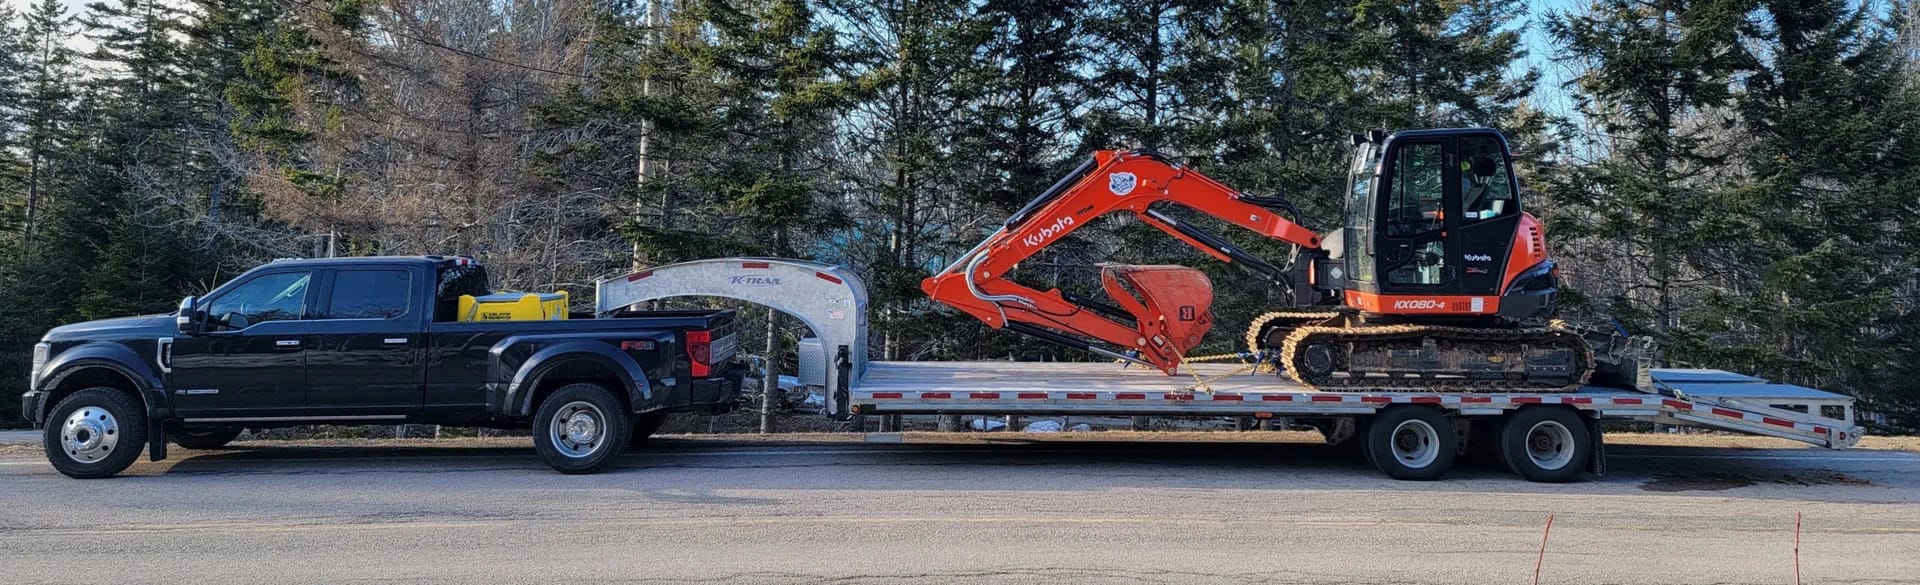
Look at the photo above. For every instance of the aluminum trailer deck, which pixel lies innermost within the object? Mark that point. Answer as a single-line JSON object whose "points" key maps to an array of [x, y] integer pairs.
{"points": [[1539, 427], [1702, 398]]}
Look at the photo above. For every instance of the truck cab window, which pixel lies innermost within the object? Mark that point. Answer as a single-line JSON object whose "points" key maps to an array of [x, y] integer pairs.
{"points": [[271, 297], [370, 294], [454, 281]]}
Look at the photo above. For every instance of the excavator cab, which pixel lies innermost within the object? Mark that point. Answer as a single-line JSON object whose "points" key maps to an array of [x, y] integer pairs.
{"points": [[1434, 225]]}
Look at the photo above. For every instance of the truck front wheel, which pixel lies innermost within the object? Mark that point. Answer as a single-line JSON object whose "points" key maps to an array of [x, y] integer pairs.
{"points": [[581, 428], [95, 433]]}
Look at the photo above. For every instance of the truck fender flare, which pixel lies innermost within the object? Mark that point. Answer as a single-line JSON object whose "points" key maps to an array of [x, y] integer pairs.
{"points": [[113, 356], [542, 362]]}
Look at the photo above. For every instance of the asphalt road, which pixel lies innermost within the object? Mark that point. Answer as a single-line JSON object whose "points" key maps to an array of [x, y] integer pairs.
{"points": [[700, 511]]}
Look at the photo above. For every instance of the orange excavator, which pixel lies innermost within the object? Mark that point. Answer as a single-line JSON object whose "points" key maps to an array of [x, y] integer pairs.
{"points": [[1438, 279]]}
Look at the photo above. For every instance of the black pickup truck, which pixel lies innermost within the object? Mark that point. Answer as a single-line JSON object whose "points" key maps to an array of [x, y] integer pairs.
{"points": [[370, 341]]}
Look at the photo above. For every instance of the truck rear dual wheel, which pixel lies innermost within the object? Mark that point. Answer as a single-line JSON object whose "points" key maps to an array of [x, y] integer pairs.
{"points": [[581, 428], [95, 433], [1546, 444], [1411, 442]]}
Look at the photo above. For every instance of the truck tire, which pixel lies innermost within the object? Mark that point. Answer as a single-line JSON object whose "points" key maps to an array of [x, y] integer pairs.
{"points": [[1546, 444], [576, 428], [205, 438], [95, 433], [1412, 442]]}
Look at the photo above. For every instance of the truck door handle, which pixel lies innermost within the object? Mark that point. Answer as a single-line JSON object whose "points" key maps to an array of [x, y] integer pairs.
{"points": [[287, 343], [395, 340]]}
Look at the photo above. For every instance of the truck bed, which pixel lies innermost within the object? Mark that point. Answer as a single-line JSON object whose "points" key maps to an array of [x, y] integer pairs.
{"points": [[1707, 398]]}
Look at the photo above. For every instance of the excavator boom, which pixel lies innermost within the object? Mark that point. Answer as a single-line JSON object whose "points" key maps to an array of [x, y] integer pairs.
{"points": [[1158, 312]]}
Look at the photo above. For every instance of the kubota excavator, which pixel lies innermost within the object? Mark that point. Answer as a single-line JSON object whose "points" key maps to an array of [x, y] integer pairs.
{"points": [[1438, 279]]}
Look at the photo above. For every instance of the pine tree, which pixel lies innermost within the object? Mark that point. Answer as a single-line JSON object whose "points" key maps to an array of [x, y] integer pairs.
{"points": [[1030, 101], [920, 76], [771, 66], [1655, 79], [12, 90], [1433, 63], [46, 93], [1140, 62], [1828, 127]]}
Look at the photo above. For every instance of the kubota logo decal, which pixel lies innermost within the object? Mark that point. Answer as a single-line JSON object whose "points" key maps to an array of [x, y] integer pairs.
{"points": [[1479, 258], [1046, 233], [1420, 304]]}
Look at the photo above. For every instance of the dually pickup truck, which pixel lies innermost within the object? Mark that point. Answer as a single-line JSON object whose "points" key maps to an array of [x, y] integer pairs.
{"points": [[370, 341]]}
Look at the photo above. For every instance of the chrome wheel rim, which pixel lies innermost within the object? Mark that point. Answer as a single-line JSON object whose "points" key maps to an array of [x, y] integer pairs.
{"points": [[1415, 443], [1550, 445], [89, 434], [578, 429]]}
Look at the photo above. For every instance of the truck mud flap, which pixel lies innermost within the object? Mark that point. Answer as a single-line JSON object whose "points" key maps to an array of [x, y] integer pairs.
{"points": [[156, 439], [1598, 464]]}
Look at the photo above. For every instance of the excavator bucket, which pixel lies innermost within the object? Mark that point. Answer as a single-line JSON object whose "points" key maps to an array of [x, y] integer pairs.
{"points": [[1172, 306]]}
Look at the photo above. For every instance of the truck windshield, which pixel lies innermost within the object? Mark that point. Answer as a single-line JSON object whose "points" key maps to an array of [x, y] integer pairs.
{"points": [[456, 280]]}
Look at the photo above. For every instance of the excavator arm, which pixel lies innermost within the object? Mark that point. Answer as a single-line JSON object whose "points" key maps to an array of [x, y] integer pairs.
{"points": [[1158, 312]]}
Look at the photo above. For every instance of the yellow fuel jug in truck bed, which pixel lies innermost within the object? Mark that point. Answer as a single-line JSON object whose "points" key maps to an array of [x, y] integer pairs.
{"points": [[514, 306]]}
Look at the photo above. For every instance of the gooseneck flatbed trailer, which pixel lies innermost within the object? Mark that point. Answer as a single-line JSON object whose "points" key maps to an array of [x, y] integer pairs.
{"points": [[1545, 436]]}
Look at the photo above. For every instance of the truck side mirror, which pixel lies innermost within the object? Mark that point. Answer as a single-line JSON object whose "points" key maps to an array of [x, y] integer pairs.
{"points": [[189, 320]]}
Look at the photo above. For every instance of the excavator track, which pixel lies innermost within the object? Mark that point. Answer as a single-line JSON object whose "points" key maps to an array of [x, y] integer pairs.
{"points": [[1433, 358], [1273, 320]]}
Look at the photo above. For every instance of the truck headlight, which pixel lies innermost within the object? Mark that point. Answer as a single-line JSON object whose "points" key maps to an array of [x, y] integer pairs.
{"points": [[40, 351]]}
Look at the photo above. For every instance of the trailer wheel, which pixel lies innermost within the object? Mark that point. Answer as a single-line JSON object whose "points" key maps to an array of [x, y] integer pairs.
{"points": [[646, 425], [581, 428], [1546, 444], [1412, 442], [205, 438], [95, 433]]}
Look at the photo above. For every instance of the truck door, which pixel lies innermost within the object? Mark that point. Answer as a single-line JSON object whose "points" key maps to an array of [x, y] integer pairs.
{"points": [[251, 360], [365, 357]]}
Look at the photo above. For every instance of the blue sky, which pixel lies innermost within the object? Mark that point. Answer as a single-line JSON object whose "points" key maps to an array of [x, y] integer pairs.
{"points": [[1548, 95]]}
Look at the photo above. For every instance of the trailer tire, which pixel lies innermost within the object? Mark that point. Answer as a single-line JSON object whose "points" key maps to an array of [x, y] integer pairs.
{"points": [[205, 438], [95, 433], [576, 428], [1412, 442], [646, 425], [1546, 444]]}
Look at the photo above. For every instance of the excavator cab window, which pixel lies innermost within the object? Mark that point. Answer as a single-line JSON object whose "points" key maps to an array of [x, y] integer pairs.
{"points": [[1417, 201], [1416, 216], [1358, 229], [1486, 188]]}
